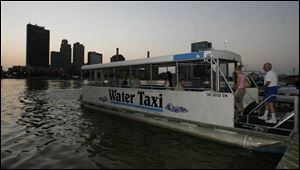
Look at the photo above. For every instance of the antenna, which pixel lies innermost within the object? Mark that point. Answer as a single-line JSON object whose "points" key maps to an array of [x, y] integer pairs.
{"points": [[196, 36], [225, 42], [294, 70]]}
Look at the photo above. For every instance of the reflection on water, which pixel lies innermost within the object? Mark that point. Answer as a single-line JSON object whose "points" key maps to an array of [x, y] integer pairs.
{"points": [[44, 126], [33, 84]]}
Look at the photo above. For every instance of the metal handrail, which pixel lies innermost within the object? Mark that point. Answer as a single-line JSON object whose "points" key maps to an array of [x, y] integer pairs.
{"points": [[295, 114], [263, 102], [258, 106], [284, 120], [296, 111]]}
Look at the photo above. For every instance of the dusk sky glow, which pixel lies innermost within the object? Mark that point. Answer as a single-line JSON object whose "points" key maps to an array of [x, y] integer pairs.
{"points": [[259, 31]]}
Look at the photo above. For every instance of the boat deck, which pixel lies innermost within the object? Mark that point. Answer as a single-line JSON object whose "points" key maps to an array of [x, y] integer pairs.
{"points": [[256, 124]]}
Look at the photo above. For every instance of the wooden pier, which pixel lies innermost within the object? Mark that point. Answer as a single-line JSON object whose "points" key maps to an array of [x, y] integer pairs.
{"points": [[290, 159]]}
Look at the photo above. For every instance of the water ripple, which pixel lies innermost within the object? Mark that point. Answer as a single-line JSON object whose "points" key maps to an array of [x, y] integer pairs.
{"points": [[44, 126]]}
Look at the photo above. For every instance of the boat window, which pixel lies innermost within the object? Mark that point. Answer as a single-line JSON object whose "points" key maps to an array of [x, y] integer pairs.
{"points": [[213, 77], [99, 76], [92, 76], [108, 77], [227, 67], [196, 74], [122, 76], [231, 74], [85, 74], [223, 86], [164, 75], [140, 75]]}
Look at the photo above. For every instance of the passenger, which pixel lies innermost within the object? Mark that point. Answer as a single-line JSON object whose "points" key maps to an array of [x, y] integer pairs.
{"points": [[135, 82], [169, 79], [240, 89], [180, 86], [125, 81], [167, 83], [270, 88]]}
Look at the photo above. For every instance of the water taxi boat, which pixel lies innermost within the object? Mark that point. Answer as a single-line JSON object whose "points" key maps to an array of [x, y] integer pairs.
{"points": [[190, 93]]}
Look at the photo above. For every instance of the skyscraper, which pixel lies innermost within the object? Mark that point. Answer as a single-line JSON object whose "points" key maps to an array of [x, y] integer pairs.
{"points": [[94, 58], [65, 52], [56, 59], [37, 46], [78, 54]]}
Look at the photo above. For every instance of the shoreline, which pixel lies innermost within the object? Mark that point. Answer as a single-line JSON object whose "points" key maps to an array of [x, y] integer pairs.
{"points": [[40, 78]]}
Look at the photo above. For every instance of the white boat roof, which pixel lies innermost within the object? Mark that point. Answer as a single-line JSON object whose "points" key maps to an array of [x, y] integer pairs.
{"points": [[221, 54]]}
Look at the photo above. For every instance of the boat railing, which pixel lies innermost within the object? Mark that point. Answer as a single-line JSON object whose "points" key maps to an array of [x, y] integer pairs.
{"points": [[288, 115]]}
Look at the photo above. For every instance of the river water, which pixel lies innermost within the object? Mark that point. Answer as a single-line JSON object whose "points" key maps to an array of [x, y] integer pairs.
{"points": [[44, 126]]}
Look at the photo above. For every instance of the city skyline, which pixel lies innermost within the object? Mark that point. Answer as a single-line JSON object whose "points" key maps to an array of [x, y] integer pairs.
{"points": [[259, 31]]}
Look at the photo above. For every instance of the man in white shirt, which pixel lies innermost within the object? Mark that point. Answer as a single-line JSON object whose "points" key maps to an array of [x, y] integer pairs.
{"points": [[271, 88]]}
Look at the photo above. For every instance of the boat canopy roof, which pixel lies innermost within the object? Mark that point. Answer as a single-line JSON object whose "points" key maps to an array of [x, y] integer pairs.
{"points": [[201, 55]]}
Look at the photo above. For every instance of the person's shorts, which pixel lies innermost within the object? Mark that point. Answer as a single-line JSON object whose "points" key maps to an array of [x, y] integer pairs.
{"points": [[271, 91]]}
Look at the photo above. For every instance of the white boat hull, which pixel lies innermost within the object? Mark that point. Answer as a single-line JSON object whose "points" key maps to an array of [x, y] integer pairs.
{"points": [[205, 107]]}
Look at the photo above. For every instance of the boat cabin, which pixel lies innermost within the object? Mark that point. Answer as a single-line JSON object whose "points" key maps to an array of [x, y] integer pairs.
{"points": [[198, 70]]}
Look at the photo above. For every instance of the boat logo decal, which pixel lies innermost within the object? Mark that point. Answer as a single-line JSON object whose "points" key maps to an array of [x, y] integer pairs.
{"points": [[176, 109], [103, 99]]}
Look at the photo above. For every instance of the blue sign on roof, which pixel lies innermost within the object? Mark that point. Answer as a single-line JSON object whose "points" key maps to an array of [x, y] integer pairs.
{"points": [[188, 56]]}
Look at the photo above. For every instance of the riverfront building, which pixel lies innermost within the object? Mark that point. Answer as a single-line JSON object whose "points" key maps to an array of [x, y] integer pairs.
{"points": [[57, 60], [78, 57], [37, 46], [78, 54], [94, 58], [65, 52]]}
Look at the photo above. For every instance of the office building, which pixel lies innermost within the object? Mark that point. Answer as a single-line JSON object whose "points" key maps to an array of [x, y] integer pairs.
{"points": [[37, 46], [78, 54], [65, 52], [94, 58], [57, 60]]}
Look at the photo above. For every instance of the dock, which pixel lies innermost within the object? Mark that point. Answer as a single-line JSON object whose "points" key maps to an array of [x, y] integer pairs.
{"points": [[290, 159]]}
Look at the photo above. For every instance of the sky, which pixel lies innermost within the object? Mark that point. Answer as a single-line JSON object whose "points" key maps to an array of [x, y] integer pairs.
{"points": [[259, 31]]}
